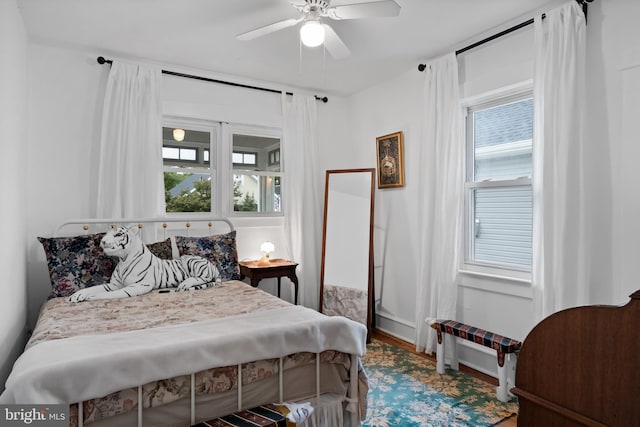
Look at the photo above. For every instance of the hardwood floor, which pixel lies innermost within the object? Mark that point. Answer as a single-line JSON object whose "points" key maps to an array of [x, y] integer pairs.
{"points": [[389, 339], [509, 422]]}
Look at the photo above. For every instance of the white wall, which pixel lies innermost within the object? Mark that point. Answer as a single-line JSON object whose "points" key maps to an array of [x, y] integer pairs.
{"points": [[613, 74], [64, 116], [613, 108], [13, 90]]}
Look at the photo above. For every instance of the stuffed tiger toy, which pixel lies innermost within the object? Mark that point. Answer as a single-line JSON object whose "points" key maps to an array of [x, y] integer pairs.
{"points": [[139, 271]]}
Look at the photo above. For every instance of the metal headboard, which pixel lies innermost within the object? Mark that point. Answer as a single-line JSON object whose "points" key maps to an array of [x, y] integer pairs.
{"points": [[164, 222]]}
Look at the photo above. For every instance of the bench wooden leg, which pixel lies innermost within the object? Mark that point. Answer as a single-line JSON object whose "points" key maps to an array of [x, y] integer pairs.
{"points": [[454, 353], [452, 348], [440, 357], [506, 377]]}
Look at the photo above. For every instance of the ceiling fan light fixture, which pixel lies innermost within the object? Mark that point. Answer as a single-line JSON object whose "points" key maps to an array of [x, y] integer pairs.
{"points": [[312, 33]]}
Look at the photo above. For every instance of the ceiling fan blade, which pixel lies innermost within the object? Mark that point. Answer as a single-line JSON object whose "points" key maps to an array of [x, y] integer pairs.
{"points": [[334, 44], [373, 9], [267, 29]]}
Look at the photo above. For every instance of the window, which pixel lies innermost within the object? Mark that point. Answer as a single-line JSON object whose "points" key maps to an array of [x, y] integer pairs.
{"points": [[241, 158], [177, 153], [188, 173], [274, 157], [499, 199], [234, 172], [256, 174]]}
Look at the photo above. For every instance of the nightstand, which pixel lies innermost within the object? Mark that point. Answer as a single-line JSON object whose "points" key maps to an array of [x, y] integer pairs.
{"points": [[276, 268]]}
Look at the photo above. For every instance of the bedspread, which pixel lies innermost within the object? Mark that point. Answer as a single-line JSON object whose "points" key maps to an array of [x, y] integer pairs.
{"points": [[118, 354], [61, 319]]}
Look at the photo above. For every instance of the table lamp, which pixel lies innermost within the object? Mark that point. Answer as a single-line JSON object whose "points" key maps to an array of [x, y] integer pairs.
{"points": [[266, 248]]}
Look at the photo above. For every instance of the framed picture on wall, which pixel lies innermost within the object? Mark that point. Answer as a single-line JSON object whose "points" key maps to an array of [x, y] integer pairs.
{"points": [[390, 153]]}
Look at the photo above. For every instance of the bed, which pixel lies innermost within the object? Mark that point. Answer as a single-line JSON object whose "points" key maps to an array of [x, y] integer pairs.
{"points": [[581, 367], [178, 358]]}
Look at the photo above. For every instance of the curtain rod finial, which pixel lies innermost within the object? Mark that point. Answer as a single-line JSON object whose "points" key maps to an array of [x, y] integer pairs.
{"points": [[101, 60], [422, 67]]}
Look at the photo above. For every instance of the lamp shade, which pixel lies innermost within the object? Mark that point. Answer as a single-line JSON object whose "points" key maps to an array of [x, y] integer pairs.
{"points": [[312, 33], [267, 247], [178, 134]]}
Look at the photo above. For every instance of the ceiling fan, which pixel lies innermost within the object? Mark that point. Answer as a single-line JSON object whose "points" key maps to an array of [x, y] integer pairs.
{"points": [[315, 32]]}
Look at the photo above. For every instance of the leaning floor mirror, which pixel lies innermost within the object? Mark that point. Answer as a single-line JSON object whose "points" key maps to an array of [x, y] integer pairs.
{"points": [[346, 275]]}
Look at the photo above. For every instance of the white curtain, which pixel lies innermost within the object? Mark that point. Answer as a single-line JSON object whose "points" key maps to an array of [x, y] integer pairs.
{"points": [[130, 180], [560, 255], [302, 192], [442, 180]]}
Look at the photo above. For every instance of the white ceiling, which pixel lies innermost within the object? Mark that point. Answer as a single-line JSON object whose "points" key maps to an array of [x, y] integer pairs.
{"points": [[201, 34]]}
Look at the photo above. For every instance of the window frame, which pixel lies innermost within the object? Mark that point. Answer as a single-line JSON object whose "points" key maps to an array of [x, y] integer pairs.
{"points": [[485, 271]]}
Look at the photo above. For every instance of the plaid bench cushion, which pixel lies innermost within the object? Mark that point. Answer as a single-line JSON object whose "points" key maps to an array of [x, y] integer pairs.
{"points": [[497, 342], [264, 416]]}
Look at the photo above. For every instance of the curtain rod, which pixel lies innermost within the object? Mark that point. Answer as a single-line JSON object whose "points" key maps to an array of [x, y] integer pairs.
{"points": [[583, 3], [102, 60]]}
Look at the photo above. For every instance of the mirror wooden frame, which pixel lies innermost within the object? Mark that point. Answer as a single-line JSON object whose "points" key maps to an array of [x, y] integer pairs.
{"points": [[370, 273]]}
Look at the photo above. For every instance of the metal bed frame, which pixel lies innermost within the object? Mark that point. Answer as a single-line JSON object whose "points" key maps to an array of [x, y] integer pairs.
{"points": [[351, 398]]}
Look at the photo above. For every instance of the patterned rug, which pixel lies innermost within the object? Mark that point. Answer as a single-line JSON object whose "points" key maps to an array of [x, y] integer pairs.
{"points": [[405, 390]]}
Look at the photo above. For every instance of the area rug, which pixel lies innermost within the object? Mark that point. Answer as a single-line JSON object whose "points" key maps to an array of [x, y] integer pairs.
{"points": [[406, 390]]}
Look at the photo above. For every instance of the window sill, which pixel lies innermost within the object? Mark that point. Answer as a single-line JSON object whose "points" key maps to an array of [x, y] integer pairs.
{"points": [[496, 280]]}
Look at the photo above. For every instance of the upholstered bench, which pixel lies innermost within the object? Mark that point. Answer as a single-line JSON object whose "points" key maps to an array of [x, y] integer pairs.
{"points": [[264, 416], [506, 348]]}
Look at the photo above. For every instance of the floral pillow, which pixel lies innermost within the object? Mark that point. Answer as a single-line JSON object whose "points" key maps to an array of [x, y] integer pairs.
{"points": [[162, 250], [219, 249], [78, 262]]}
